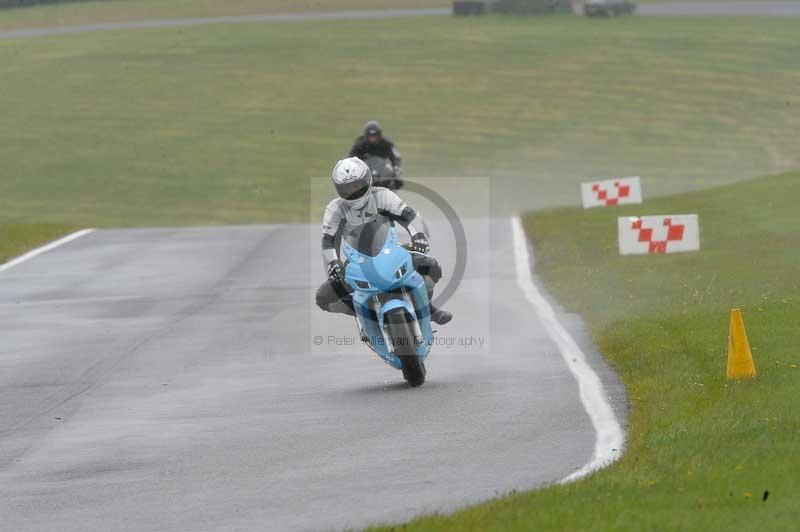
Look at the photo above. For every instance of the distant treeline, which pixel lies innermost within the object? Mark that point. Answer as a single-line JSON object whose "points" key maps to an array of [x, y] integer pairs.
{"points": [[5, 4]]}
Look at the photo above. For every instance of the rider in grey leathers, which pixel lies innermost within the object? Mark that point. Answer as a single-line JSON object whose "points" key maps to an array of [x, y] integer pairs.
{"points": [[359, 203]]}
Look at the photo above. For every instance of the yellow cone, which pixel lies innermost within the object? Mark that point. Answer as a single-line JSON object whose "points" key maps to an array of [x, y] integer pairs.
{"points": [[740, 358]]}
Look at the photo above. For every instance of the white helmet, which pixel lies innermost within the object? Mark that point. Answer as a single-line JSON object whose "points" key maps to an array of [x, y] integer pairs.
{"points": [[353, 180]]}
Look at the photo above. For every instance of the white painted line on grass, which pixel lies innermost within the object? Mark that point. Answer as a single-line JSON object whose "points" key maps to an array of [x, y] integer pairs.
{"points": [[610, 437], [44, 249]]}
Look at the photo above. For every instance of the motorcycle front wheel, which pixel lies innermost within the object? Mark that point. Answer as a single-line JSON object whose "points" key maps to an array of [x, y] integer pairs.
{"points": [[401, 332]]}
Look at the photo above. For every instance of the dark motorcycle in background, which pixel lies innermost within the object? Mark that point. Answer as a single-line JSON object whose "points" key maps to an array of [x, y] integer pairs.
{"points": [[384, 173]]}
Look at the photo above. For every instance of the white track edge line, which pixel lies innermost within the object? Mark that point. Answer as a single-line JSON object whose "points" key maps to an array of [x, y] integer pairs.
{"points": [[44, 249], [610, 438]]}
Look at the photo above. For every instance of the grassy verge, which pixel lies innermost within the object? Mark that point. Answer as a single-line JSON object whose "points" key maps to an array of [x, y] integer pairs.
{"points": [[702, 452], [226, 124], [70, 14], [15, 239]]}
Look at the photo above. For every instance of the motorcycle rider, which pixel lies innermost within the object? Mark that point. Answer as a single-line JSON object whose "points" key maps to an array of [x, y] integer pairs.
{"points": [[373, 143], [360, 203]]}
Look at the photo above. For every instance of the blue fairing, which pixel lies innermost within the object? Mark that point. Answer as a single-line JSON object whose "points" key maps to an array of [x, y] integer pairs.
{"points": [[384, 282]]}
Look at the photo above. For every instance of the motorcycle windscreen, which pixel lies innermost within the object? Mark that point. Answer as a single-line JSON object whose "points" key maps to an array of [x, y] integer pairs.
{"points": [[369, 239]]}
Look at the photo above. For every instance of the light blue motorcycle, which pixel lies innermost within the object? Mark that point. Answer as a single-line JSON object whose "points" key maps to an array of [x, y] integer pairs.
{"points": [[390, 298]]}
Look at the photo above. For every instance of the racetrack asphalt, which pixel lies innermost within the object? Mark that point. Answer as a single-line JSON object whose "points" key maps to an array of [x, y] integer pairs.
{"points": [[169, 380], [728, 9], [743, 8]]}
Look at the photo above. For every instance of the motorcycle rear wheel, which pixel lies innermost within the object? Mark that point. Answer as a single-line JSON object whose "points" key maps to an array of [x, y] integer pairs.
{"points": [[405, 347]]}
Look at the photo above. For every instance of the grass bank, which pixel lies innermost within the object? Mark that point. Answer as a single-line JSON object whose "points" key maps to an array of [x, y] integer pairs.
{"points": [[703, 453], [226, 124]]}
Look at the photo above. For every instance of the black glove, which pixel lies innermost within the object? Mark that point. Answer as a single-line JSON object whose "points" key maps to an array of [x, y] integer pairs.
{"points": [[336, 271], [420, 244]]}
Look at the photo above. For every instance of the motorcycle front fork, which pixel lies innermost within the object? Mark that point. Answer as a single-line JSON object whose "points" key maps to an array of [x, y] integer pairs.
{"points": [[386, 337]]}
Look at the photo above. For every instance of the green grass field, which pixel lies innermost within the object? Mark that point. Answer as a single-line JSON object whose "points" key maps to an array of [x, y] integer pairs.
{"points": [[702, 451], [225, 124]]}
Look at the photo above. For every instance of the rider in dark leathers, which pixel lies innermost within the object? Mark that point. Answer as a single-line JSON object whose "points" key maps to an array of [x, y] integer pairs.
{"points": [[373, 143]]}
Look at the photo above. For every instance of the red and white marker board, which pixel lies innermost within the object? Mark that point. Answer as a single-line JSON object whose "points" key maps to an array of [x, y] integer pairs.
{"points": [[621, 191], [658, 234]]}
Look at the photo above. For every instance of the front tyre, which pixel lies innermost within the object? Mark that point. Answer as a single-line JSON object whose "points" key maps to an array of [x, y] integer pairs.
{"points": [[401, 333]]}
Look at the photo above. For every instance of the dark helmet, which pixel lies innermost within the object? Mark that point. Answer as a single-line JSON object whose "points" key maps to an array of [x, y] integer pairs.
{"points": [[372, 128]]}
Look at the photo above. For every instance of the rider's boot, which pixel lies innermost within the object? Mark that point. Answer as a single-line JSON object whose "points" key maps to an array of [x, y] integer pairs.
{"points": [[439, 316], [342, 307]]}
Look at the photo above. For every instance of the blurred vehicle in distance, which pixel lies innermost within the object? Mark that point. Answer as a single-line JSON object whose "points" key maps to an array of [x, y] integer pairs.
{"points": [[608, 8]]}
